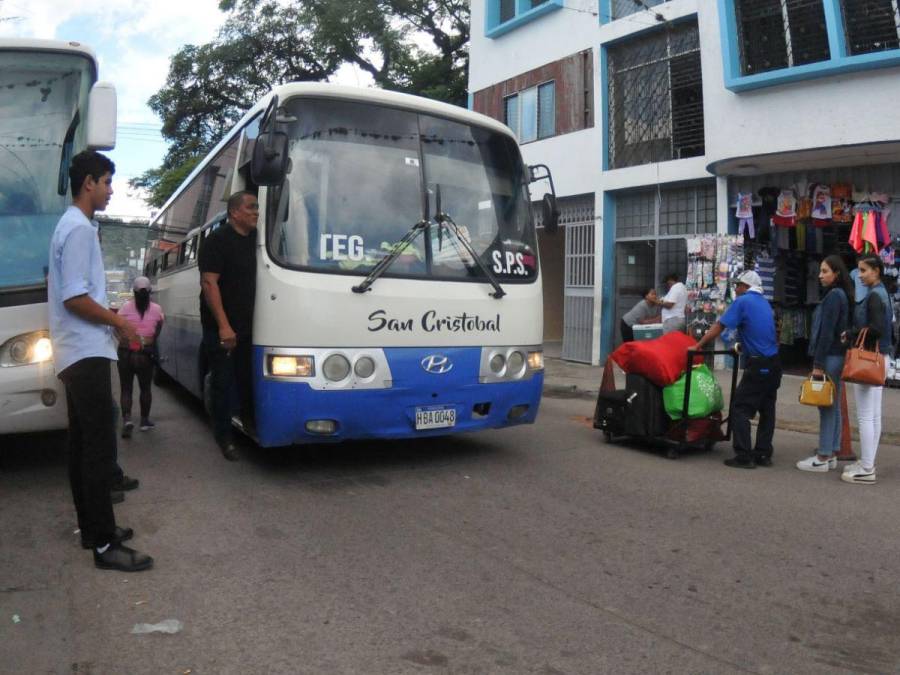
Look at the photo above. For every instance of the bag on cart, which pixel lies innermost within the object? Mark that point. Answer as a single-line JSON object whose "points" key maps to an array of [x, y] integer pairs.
{"points": [[646, 414], [706, 395], [611, 411]]}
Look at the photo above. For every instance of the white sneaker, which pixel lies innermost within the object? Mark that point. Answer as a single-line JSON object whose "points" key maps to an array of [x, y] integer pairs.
{"points": [[855, 473], [832, 462], [814, 464]]}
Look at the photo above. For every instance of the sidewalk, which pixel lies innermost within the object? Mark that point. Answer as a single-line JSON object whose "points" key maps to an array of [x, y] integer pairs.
{"points": [[577, 380]]}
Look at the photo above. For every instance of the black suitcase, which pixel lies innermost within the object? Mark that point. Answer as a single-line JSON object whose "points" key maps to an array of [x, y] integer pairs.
{"points": [[611, 411], [646, 413]]}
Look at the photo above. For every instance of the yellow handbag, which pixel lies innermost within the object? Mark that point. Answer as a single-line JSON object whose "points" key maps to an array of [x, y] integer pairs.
{"points": [[817, 391]]}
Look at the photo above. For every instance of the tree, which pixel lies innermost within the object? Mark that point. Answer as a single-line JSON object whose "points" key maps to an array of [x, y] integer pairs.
{"points": [[268, 42]]}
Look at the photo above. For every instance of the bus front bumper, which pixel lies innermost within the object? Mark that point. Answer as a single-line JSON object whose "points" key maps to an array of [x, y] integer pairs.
{"points": [[31, 399]]}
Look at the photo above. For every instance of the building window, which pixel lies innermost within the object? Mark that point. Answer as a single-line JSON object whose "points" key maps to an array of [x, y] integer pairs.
{"points": [[531, 113], [871, 25], [502, 16], [777, 34], [656, 97], [620, 8], [666, 212]]}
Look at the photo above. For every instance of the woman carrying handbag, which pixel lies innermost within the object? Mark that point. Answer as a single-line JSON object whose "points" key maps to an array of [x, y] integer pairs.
{"points": [[830, 321], [873, 322]]}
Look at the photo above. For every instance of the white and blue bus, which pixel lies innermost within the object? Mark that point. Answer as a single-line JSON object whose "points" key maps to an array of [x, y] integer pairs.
{"points": [[51, 107], [398, 289]]}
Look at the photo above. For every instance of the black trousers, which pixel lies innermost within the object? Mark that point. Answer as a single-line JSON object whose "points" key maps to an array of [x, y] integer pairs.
{"points": [[627, 331], [130, 364], [231, 380], [91, 446], [757, 392]]}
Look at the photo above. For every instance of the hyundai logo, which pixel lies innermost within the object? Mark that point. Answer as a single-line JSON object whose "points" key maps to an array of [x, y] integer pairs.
{"points": [[437, 364]]}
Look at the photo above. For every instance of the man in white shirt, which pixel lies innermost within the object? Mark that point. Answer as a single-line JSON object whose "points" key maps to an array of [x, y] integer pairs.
{"points": [[673, 304]]}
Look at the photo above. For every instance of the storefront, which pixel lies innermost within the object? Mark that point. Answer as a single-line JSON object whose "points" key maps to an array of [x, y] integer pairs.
{"points": [[782, 225]]}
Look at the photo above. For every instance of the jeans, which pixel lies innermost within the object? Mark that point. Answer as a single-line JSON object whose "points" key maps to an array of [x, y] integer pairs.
{"points": [[757, 392], [230, 382], [130, 364], [627, 331], [868, 410], [830, 417], [91, 446]]}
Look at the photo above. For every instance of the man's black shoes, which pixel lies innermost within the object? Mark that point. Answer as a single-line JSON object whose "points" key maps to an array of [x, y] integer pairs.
{"points": [[121, 534], [125, 483], [763, 461], [120, 557], [117, 496], [739, 463]]}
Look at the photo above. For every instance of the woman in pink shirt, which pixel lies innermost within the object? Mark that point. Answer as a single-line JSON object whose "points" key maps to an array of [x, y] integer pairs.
{"points": [[137, 358]]}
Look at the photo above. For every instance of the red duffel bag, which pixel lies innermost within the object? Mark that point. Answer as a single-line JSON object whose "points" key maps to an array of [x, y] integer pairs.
{"points": [[662, 361]]}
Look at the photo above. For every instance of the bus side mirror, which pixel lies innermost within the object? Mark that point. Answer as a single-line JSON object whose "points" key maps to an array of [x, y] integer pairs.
{"points": [[101, 119], [270, 158], [550, 213]]}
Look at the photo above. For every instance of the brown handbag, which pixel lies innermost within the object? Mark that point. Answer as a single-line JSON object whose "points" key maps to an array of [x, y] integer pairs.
{"points": [[862, 366]]}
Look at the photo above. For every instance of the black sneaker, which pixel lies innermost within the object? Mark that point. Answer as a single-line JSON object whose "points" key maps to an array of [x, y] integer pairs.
{"points": [[127, 428], [763, 461], [125, 484], [147, 424], [117, 496], [120, 557], [738, 463]]}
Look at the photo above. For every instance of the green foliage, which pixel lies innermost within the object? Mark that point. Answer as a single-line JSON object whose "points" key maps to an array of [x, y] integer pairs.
{"points": [[268, 42]]}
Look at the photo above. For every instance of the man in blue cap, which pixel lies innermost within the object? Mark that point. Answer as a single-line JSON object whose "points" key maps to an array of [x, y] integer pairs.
{"points": [[752, 316]]}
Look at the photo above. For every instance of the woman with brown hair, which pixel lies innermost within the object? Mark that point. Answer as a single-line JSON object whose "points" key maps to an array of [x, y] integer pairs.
{"points": [[830, 320], [876, 316]]}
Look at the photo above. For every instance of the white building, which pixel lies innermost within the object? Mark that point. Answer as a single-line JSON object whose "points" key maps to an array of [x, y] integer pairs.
{"points": [[654, 114]]}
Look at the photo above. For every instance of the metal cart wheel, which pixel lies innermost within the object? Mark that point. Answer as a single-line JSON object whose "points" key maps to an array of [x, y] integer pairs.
{"points": [[607, 436], [673, 453]]}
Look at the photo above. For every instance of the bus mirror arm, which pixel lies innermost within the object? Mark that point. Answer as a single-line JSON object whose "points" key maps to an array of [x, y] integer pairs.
{"points": [[388, 260], [444, 220], [549, 205]]}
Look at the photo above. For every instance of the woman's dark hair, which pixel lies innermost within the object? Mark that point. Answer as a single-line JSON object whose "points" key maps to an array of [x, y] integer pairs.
{"points": [[876, 263], [647, 291], [843, 281], [671, 276]]}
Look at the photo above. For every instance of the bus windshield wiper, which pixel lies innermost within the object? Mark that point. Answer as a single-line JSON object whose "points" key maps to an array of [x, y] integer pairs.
{"points": [[388, 260], [444, 220]]}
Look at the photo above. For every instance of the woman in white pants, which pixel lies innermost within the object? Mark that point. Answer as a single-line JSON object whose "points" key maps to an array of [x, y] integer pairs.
{"points": [[876, 315]]}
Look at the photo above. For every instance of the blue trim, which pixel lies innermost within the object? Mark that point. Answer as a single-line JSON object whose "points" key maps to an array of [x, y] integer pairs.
{"points": [[839, 63], [604, 113], [494, 29], [605, 11], [608, 280], [283, 408], [470, 104]]}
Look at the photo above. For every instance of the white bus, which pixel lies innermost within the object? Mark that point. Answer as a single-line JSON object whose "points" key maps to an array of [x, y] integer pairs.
{"points": [[398, 289], [51, 107]]}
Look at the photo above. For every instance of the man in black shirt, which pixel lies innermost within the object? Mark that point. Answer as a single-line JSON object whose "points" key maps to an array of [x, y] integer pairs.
{"points": [[228, 290]]}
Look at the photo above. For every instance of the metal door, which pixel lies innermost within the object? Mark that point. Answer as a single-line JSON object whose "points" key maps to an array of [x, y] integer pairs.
{"points": [[577, 220]]}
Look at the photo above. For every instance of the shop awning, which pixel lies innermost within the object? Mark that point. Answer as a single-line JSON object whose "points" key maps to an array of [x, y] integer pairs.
{"points": [[887, 152]]}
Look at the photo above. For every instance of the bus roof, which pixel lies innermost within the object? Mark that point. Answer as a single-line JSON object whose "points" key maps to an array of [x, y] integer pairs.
{"points": [[325, 90], [28, 44]]}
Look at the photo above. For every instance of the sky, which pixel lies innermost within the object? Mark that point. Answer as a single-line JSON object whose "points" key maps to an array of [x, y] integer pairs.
{"points": [[133, 42]]}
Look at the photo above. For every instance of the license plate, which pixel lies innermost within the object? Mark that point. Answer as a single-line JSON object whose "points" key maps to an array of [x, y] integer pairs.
{"points": [[435, 418]]}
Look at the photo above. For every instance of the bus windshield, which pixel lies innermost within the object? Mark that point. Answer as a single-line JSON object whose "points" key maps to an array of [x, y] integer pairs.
{"points": [[42, 97], [362, 175]]}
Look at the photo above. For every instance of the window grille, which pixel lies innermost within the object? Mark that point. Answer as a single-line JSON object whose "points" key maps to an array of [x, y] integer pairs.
{"points": [[667, 212], [778, 34], [546, 111], [656, 97], [507, 10], [622, 8], [511, 113], [871, 25]]}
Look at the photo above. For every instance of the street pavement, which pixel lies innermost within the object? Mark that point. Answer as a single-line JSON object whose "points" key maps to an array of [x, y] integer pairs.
{"points": [[536, 549]]}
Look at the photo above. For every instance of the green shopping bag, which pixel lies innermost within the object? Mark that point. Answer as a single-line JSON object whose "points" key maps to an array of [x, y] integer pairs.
{"points": [[706, 395]]}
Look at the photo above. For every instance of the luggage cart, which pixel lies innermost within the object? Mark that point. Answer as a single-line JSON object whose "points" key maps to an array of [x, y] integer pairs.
{"points": [[636, 412]]}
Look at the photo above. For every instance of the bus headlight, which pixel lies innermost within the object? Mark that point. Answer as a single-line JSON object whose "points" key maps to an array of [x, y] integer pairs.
{"points": [[497, 363], [364, 367], [515, 363], [336, 367], [291, 366], [535, 360], [26, 349]]}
